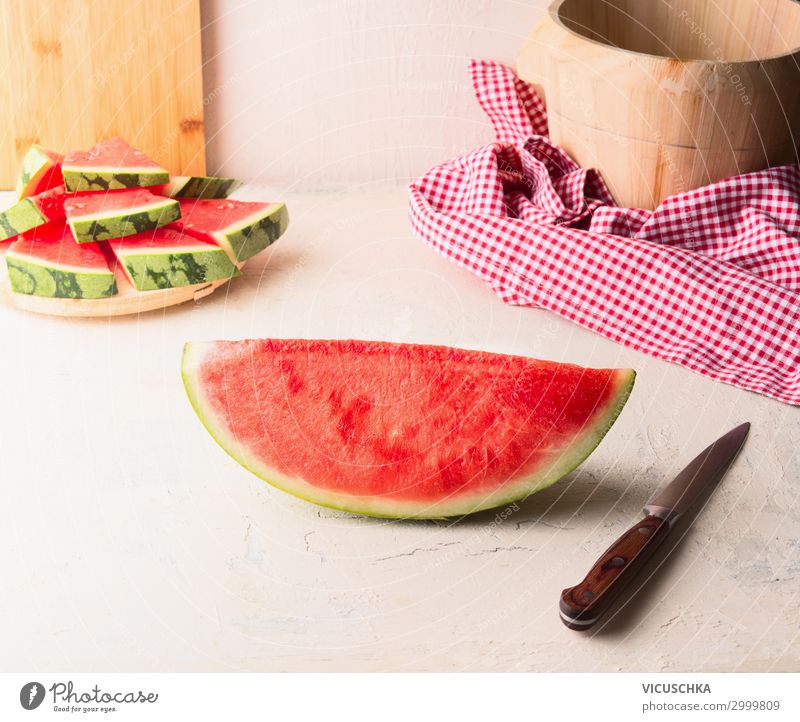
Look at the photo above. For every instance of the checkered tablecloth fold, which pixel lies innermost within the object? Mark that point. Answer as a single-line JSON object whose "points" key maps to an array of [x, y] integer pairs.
{"points": [[709, 280]]}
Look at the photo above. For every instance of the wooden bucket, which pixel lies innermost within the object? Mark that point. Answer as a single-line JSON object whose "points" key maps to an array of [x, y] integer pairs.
{"points": [[666, 97]]}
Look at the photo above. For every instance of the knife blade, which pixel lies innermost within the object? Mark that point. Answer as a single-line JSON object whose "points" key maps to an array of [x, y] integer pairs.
{"points": [[581, 606]]}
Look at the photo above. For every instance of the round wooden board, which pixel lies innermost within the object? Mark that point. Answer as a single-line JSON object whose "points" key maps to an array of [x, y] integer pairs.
{"points": [[127, 301]]}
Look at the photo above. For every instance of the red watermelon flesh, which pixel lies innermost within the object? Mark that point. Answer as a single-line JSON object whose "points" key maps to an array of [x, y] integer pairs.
{"points": [[208, 216], [400, 430], [51, 203], [90, 202], [112, 153], [53, 243]]}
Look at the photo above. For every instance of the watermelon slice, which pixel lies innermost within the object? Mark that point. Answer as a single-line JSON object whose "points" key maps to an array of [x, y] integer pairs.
{"points": [[397, 430], [40, 171], [112, 164], [241, 228], [184, 186], [47, 262], [31, 212], [100, 216], [166, 258]]}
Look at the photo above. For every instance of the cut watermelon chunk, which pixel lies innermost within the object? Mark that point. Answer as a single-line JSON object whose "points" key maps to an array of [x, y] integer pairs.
{"points": [[110, 165], [184, 186], [40, 171], [241, 228], [31, 212], [100, 216], [47, 262], [166, 258], [397, 430]]}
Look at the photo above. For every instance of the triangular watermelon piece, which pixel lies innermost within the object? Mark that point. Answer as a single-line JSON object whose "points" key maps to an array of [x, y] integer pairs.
{"points": [[46, 261], [32, 211], [167, 258], [39, 171], [110, 165], [400, 430], [242, 228], [100, 216]]}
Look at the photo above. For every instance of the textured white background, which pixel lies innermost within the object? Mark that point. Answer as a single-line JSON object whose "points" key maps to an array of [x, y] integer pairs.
{"points": [[132, 542], [321, 94]]}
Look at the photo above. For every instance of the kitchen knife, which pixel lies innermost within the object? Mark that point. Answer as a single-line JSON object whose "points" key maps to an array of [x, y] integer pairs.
{"points": [[583, 605]]}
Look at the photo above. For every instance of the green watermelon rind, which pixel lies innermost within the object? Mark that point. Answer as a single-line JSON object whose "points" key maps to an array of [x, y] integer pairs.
{"points": [[120, 223], [35, 165], [379, 507], [86, 178], [208, 187], [253, 234], [173, 268], [30, 278], [22, 216]]}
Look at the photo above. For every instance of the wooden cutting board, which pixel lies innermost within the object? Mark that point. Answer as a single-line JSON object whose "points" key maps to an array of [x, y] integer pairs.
{"points": [[77, 71]]}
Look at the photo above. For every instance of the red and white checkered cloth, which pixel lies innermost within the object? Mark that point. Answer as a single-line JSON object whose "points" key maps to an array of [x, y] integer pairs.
{"points": [[709, 280]]}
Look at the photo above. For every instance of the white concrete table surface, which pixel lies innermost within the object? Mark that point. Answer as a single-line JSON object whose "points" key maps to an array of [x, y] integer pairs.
{"points": [[131, 541]]}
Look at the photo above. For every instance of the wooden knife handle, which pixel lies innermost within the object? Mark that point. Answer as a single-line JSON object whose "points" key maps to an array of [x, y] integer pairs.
{"points": [[583, 605]]}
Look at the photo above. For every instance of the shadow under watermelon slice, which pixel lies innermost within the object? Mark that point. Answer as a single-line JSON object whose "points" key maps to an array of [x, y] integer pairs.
{"points": [[400, 430]]}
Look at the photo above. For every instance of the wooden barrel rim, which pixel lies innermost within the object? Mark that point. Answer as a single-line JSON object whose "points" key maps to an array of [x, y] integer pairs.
{"points": [[554, 11]]}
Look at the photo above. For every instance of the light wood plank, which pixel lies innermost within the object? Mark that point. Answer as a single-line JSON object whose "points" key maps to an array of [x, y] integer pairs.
{"points": [[75, 72]]}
